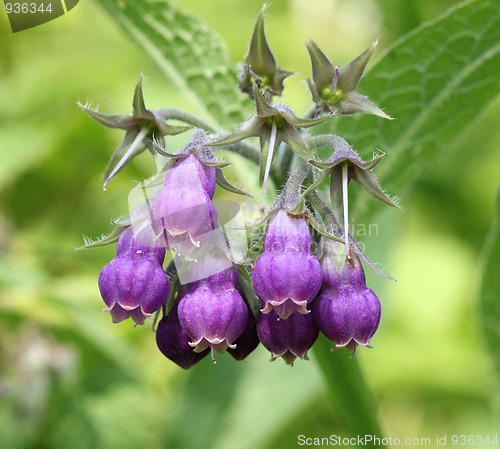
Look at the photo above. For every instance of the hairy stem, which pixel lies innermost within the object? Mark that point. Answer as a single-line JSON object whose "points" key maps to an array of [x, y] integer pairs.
{"points": [[176, 114]]}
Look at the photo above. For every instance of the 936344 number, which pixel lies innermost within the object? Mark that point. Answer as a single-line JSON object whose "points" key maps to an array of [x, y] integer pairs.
{"points": [[28, 8]]}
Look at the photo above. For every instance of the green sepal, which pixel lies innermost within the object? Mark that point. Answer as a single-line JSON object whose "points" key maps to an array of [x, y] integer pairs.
{"points": [[354, 103], [358, 170], [250, 128], [322, 176], [226, 185], [367, 180], [315, 93], [261, 61], [260, 56], [109, 239], [120, 121], [143, 125], [323, 70], [138, 105], [292, 137], [173, 293], [172, 130], [299, 208], [343, 99], [264, 153], [350, 75], [124, 220], [335, 190], [305, 122], [264, 109], [320, 230]]}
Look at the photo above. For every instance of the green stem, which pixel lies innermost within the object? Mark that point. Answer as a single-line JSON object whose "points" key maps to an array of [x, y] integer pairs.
{"points": [[348, 391], [285, 162], [246, 150], [325, 140], [176, 114], [326, 214]]}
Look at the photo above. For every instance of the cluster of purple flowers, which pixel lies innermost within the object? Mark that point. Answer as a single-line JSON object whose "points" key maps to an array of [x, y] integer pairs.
{"points": [[209, 313], [212, 301]]}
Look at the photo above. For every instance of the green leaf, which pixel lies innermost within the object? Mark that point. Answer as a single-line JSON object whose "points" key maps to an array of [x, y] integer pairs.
{"points": [[349, 393], [435, 82], [189, 53], [490, 290]]}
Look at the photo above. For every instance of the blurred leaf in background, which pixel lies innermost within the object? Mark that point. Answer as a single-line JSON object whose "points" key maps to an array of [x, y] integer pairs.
{"points": [[70, 378]]}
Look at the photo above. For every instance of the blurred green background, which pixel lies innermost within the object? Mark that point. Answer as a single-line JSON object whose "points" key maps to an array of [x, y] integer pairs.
{"points": [[69, 378]]}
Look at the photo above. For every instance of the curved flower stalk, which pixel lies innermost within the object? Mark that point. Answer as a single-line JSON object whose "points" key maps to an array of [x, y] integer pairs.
{"points": [[134, 284]]}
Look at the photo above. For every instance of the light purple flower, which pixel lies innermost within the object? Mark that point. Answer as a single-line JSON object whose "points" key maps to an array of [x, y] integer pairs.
{"points": [[183, 210], [287, 276]]}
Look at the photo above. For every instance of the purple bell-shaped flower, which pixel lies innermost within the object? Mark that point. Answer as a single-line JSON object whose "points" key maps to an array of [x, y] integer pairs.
{"points": [[173, 342], [213, 313], [347, 311], [290, 338], [287, 276], [247, 342], [183, 210], [134, 284]]}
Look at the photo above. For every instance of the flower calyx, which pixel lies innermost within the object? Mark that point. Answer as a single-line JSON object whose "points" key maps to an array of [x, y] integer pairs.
{"points": [[141, 128], [273, 124], [260, 62], [204, 157], [334, 89], [357, 170]]}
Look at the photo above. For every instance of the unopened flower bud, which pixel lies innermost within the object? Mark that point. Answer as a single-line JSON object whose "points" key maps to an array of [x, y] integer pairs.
{"points": [[134, 284], [347, 311], [290, 338], [173, 342], [287, 276]]}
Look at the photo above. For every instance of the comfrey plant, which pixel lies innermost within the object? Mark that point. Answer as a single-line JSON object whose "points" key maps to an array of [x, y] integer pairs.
{"points": [[214, 296]]}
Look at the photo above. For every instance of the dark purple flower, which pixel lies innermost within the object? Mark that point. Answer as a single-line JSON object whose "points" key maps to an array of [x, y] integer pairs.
{"points": [[287, 276], [347, 311], [134, 284], [173, 342], [247, 342], [290, 338]]}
